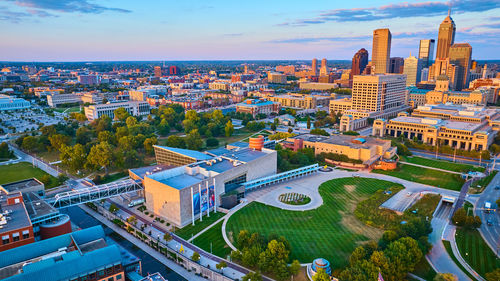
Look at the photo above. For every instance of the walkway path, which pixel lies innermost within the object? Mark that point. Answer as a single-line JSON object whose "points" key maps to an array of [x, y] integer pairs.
{"points": [[450, 236], [427, 167], [143, 246], [226, 218]]}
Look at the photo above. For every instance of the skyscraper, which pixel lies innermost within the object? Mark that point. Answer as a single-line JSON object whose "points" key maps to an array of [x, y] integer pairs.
{"points": [[412, 69], [323, 71], [359, 62], [446, 37], [396, 65], [314, 67], [376, 93], [381, 51], [426, 52], [157, 70], [460, 55]]}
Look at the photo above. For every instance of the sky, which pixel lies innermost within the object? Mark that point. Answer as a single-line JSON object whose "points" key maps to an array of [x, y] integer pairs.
{"points": [[108, 30]]}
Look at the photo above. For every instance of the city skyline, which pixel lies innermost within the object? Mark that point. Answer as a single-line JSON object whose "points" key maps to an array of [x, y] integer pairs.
{"points": [[82, 30]]}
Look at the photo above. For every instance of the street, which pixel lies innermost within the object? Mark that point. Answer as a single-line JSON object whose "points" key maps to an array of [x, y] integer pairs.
{"points": [[490, 233]]}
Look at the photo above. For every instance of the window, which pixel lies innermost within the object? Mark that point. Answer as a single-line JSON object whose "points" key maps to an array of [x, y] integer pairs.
{"points": [[101, 272], [5, 239], [15, 236], [119, 277], [111, 279], [26, 234]]}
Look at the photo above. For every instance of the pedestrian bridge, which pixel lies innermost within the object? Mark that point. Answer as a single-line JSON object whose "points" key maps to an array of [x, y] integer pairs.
{"points": [[281, 177], [89, 194]]}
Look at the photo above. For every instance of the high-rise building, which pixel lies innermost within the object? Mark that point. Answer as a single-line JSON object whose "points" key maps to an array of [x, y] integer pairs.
{"points": [[446, 37], [424, 76], [381, 51], [426, 52], [359, 62], [460, 55], [157, 70], [314, 67], [412, 69], [323, 71], [173, 70], [376, 93], [396, 65]]}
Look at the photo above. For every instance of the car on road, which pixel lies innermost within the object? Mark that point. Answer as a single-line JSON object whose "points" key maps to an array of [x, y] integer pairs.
{"points": [[497, 187], [489, 222]]}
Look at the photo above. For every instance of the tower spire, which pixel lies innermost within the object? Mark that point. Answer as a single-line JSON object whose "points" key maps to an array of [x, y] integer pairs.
{"points": [[449, 11]]}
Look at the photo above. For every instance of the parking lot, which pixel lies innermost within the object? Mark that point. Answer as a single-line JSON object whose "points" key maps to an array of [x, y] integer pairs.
{"points": [[27, 120]]}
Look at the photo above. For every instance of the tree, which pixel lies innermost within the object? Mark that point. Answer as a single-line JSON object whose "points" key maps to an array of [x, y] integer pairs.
{"points": [[317, 131], [445, 277], [229, 130], [73, 157], [83, 135], [321, 275], [295, 267], [121, 114], [212, 142], [106, 136], [243, 239], [221, 265], [101, 155], [308, 122], [167, 237], [30, 144], [193, 140], [5, 152], [132, 220], [176, 141], [351, 133], [195, 257], [273, 127], [494, 275], [290, 130], [163, 128], [148, 144], [460, 217], [112, 208], [131, 121], [252, 276]]}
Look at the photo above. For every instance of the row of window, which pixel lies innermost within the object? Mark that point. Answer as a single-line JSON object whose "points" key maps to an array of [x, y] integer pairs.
{"points": [[6, 239], [102, 273]]}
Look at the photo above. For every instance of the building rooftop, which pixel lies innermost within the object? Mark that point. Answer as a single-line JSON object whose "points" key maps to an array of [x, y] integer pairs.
{"points": [[37, 207], [14, 217], [186, 152], [22, 185], [148, 170], [433, 122], [182, 181], [344, 140]]}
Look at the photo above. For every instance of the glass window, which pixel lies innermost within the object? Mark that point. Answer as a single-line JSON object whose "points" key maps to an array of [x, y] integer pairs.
{"points": [[119, 277]]}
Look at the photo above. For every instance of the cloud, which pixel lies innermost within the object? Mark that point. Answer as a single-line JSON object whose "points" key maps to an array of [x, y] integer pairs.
{"points": [[400, 10], [67, 6], [14, 17], [233, 34], [317, 39]]}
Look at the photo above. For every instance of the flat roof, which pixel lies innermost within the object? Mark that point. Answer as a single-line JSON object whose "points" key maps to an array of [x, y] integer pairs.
{"points": [[22, 185], [16, 218], [449, 124], [186, 152], [183, 180], [148, 170], [344, 140], [37, 207]]}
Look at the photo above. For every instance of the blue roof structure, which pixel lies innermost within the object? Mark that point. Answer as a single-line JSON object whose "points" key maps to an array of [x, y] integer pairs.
{"points": [[187, 152]]}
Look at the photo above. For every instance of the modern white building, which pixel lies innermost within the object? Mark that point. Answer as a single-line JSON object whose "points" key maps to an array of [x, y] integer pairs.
{"points": [[55, 100], [134, 108], [11, 103], [412, 70]]}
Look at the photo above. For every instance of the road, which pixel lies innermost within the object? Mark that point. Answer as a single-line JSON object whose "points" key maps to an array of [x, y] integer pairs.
{"points": [[491, 234]]}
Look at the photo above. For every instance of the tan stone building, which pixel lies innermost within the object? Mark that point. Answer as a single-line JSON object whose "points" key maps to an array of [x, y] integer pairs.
{"points": [[340, 105], [301, 100]]}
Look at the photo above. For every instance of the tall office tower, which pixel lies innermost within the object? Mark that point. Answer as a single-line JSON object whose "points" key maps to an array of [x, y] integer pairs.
{"points": [[359, 62], [396, 65], [157, 70], [381, 50], [246, 69], [314, 67], [446, 37], [323, 70], [424, 76], [426, 52], [460, 55], [412, 69], [375, 93]]}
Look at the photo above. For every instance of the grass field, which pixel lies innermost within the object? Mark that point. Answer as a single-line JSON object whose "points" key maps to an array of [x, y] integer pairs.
{"points": [[68, 109], [330, 231], [481, 184], [214, 236], [476, 252], [189, 230], [445, 165], [424, 207], [22, 171], [447, 246], [425, 176]]}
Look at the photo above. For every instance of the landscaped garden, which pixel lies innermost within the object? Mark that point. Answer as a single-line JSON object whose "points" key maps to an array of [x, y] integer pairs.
{"points": [[24, 170], [330, 231], [425, 176], [476, 252], [293, 198]]}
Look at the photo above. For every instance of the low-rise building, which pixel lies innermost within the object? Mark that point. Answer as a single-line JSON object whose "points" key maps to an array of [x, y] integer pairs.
{"points": [[305, 101], [54, 100], [317, 86], [340, 105], [10, 103], [15, 224], [134, 108], [254, 107], [275, 77]]}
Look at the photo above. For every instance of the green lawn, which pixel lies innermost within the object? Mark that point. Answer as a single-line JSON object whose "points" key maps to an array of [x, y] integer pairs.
{"points": [[476, 252], [214, 236], [482, 183], [330, 231], [447, 246], [425, 176], [424, 207], [445, 165], [22, 171], [68, 110], [189, 230]]}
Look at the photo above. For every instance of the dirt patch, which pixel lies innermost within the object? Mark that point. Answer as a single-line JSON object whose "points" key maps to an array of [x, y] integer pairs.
{"points": [[350, 188], [230, 237], [302, 275], [354, 225]]}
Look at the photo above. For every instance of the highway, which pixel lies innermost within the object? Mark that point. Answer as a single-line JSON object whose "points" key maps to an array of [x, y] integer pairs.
{"points": [[491, 233]]}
